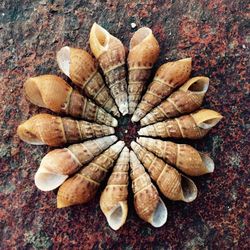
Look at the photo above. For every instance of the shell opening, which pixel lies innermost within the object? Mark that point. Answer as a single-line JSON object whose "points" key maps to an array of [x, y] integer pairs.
{"points": [[160, 215], [139, 36], [26, 135], [208, 162], [189, 189], [209, 123], [47, 181], [199, 86], [117, 216], [33, 93], [63, 60], [99, 40], [206, 118]]}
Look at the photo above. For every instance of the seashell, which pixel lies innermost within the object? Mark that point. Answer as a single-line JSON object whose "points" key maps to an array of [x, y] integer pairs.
{"points": [[183, 156], [147, 202], [55, 131], [52, 92], [110, 53], [186, 99], [193, 126], [172, 184], [58, 164], [113, 201], [81, 68], [83, 186], [143, 53], [168, 77]]}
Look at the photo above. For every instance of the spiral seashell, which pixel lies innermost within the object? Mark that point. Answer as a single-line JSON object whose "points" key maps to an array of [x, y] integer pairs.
{"points": [[172, 184], [186, 99], [143, 53], [82, 187], [113, 201], [183, 156], [56, 131], [52, 92], [193, 126], [81, 68], [58, 164], [110, 53], [147, 202], [168, 77]]}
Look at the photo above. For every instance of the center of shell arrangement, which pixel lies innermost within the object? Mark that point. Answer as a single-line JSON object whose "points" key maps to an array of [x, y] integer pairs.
{"points": [[110, 112], [127, 130]]}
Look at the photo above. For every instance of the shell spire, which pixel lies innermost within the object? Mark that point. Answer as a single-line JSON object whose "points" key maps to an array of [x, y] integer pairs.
{"points": [[81, 68], [168, 77], [172, 184], [113, 201], [143, 53], [111, 56], [52, 92], [186, 99], [58, 164], [193, 126], [183, 156], [56, 131], [147, 202], [82, 187]]}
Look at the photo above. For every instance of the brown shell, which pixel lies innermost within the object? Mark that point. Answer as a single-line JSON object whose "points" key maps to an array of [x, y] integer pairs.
{"points": [[183, 156], [146, 196], [168, 77], [82, 187], [55, 131], [186, 99], [171, 183], [66, 161], [193, 126], [115, 195], [81, 68], [143, 53], [111, 56], [52, 92]]}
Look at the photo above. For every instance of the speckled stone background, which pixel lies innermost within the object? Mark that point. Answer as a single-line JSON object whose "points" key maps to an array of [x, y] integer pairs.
{"points": [[214, 34]]}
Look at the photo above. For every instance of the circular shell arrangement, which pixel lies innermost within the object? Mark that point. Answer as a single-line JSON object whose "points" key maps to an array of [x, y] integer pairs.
{"points": [[170, 108]]}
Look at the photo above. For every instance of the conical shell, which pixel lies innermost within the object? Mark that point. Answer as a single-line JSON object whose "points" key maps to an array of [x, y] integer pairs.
{"points": [[186, 99], [52, 92], [58, 164], [193, 126], [183, 156], [143, 53], [168, 77], [148, 204], [113, 201], [172, 184], [83, 186], [56, 131], [111, 56], [81, 68]]}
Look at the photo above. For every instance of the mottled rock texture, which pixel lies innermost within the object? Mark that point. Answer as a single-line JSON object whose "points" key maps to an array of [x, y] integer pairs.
{"points": [[214, 34]]}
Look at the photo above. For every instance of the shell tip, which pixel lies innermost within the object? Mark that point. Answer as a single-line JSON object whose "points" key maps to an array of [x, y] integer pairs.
{"points": [[114, 123], [123, 108]]}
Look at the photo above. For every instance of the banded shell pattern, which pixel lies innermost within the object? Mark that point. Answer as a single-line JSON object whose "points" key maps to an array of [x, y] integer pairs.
{"points": [[86, 127]]}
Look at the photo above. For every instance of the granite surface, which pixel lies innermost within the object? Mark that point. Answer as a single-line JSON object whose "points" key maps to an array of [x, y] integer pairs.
{"points": [[214, 34]]}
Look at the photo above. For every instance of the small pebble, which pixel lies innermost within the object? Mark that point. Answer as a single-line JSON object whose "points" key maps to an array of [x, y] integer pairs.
{"points": [[133, 25]]}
